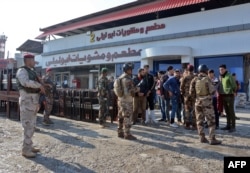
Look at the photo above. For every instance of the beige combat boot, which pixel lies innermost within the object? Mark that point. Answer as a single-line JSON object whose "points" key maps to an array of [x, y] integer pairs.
{"points": [[214, 141], [29, 154], [35, 150]]}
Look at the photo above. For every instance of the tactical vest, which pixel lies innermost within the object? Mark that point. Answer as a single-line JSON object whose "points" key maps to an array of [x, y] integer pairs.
{"points": [[201, 86], [32, 76]]}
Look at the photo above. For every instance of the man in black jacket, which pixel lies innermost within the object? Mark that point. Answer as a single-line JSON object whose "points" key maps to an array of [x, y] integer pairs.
{"points": [[150, 83]]}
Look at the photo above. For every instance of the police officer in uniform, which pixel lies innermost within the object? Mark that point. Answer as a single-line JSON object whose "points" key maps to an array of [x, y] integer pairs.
{"points": [[49, 87], [203, 104], [125, 103], [103, 97], [29, 88]]}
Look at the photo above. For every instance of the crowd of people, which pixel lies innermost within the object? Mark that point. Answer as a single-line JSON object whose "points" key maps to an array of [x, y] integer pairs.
{"points": [[194, 100]]}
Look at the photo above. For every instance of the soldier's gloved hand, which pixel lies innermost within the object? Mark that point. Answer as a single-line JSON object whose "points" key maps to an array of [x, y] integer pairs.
{"points": [[42, 90]]}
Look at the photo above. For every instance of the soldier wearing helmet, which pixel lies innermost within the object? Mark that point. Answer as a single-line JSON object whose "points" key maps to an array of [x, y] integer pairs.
{"points": [[103, 97], [202, 90], [125, 103]]}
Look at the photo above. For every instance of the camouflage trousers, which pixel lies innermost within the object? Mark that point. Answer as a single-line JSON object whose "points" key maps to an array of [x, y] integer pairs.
{"points": [[204, 109], [189, 110], [124, 114], [48, 107], [28, 110], [103, 111]]}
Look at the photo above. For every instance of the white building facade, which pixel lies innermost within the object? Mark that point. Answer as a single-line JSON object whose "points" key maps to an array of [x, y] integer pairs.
{"points": [[213, 37]]}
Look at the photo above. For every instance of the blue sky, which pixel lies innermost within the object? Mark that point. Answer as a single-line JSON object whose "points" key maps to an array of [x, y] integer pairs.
{"points": [[21, 19]]}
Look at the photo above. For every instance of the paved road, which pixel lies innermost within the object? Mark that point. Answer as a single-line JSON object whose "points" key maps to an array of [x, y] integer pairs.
{"points": [[74, 146]]}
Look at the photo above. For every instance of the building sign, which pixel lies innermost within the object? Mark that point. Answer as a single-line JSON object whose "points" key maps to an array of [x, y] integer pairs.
{"points": [[76, 58], [126, 32]]}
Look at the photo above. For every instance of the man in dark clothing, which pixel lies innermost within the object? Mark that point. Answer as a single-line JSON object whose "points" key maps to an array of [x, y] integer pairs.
{"points": [[165, 95], [150, 83], [139, 101]]}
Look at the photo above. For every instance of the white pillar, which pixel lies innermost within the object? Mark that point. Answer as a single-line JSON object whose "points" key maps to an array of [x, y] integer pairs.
{"points": [[147, 62], [187, 59], [91, 80]]}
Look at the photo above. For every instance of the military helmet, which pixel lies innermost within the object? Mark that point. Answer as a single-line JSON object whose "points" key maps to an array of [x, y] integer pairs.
{"points": [[127, 66], [104, 70], [203, 68]]}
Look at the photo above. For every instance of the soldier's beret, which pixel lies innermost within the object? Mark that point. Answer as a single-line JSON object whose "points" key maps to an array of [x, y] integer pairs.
{"points": [[190, 67], [28, 56], [104, 70]]}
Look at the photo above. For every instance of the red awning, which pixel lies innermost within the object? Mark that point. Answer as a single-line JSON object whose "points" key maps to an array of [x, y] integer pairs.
{"points": [[123, 14]]}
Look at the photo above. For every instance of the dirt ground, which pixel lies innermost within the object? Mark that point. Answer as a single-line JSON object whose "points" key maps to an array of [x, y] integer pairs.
{"points": [[71, 146]]}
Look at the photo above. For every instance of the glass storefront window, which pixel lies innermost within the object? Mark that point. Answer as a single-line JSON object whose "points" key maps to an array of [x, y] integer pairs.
{"points": [[163, 65]]}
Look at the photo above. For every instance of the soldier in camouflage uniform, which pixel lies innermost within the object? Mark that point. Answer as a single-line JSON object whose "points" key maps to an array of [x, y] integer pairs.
{"points": [[189, 101], [125, 103], [48, 104], [203, 104], [103, 97], [29, 88]]}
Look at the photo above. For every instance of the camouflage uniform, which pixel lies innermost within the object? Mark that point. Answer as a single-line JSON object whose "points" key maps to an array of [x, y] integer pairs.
{"points": [[125, 104], [189, 100], [28, 86], [204, 108], [103, 97], [48, 98]]}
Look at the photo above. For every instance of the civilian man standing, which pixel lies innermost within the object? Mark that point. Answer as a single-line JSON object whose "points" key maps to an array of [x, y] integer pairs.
{"points": [[165, 95], [227, 90], [172, 85], [139, 100], [150, 82]]}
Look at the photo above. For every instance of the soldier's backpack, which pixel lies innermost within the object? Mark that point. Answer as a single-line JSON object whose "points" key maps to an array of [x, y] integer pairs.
{"points": [[118, 88], [201, 86]]}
